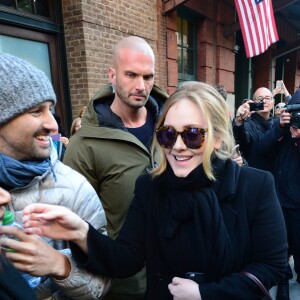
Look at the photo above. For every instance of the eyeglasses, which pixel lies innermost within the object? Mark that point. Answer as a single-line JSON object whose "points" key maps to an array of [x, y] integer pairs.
{"points": [[193, 137], [268, 98]]}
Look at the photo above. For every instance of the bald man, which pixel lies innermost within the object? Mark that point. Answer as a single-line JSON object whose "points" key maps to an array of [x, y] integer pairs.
{"points": [[112, 147], [253, 130]]}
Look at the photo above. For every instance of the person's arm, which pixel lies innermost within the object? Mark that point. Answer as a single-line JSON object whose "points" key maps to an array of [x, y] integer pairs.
{"points": [[82, 199], [282, 90], [241, 127], [87, 205], [244, 135], [120, 258], [267, 140], [286, 93]]}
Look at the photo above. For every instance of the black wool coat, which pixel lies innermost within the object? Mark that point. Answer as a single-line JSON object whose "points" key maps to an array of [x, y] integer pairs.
{"points": [[254, 223]]}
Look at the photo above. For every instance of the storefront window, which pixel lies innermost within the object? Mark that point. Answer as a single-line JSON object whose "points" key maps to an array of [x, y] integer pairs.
{"points": [[37, 53]]}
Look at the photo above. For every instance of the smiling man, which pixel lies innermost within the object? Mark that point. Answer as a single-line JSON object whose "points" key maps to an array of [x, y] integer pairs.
{"points": [[31, 172]]}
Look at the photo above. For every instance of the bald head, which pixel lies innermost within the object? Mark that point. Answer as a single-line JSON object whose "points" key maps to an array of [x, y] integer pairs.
{"points": [[133, 43], [262, 92], [264, 95]]}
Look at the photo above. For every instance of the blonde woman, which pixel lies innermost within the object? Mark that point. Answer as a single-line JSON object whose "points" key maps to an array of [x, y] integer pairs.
{"points": [[197, 221]]}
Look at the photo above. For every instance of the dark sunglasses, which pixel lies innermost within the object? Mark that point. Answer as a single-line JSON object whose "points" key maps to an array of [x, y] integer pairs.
{"points": [[193, 137]]}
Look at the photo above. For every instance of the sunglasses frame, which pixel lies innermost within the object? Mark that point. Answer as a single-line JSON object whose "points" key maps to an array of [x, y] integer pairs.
{"points": [[182, 134]]}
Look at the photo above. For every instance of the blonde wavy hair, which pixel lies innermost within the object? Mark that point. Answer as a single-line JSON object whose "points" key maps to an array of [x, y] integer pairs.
{"points": [[215, 113]]}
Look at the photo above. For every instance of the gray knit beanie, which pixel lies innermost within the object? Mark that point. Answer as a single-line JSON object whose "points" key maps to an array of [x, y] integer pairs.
{"points": [[22, 86]]}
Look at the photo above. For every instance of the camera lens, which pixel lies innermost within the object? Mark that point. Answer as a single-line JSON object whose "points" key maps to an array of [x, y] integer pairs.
{"points": [[295, 120]]}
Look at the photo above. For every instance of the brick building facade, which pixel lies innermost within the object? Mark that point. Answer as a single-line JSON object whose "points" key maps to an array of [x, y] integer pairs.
{"points": [[190, 39], [92, 27]]}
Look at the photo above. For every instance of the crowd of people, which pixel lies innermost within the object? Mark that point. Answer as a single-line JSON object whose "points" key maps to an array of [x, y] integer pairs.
{"points": [[155, 197]]}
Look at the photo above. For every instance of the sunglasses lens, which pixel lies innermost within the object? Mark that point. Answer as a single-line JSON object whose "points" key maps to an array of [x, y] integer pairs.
{"points": [[193, 137], [166, 136]]}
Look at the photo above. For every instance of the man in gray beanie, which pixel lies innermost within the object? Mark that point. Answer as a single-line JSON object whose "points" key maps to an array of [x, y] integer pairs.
{"points": [[22, 87], [31, 172]]}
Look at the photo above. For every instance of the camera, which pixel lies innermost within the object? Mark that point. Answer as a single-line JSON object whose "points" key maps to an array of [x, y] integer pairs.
{"points": [[255, 106], [294, 110]]}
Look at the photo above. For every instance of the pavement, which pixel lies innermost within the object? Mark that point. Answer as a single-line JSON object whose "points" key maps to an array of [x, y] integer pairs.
{"points": [[294, 286]]}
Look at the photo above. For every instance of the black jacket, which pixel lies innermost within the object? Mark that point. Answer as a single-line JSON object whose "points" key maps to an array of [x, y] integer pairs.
{"points": [[256, 143], [254, 223], [287, 166], [287, 171], [12, 284]]}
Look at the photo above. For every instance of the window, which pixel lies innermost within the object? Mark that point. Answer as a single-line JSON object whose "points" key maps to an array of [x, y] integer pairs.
{"points": [[35, 7], [32, 30], [35, 52], [186, 49]]}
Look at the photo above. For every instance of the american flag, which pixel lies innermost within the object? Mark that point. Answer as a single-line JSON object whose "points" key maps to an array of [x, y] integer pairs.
{"points": [[258, 25]]}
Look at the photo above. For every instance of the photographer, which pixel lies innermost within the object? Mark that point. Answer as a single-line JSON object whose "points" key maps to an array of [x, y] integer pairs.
{"points": [[250, 127], [286, 173]]}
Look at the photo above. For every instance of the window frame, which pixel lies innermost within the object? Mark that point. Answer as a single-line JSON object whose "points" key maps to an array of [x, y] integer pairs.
{"points": [[184, 15], [24, 25]]}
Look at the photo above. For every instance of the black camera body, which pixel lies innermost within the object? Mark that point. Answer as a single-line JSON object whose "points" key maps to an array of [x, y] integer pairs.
{"points": [[256, 106], [195, 276], [294, 110]]}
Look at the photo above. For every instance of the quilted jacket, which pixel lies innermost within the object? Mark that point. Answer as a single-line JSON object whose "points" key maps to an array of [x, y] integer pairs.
{"points": [[64, 186]]}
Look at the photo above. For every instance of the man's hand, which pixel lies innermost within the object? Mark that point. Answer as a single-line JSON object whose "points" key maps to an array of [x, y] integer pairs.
{"points": [[184, 289], [64, 140], [56, 222], [242, 113], [239, 160], [285, 118], [33, 255]]}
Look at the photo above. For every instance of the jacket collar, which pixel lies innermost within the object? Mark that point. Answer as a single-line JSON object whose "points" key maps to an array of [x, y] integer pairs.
{"points": [[105, 96], [226, 181]]}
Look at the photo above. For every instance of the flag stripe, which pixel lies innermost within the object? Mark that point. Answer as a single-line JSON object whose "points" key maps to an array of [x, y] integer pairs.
{"points": [[261, 25], [262, 18], [257, 25]]}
